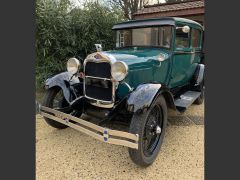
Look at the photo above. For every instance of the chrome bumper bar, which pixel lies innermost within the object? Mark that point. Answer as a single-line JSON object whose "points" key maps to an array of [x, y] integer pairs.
{"points": [[103, 134]]}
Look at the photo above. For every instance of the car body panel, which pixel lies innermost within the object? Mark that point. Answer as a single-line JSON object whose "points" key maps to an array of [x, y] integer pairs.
{"points": [[143, 96], [176, 70], [185, 60], [62, 80], [144, 66]]}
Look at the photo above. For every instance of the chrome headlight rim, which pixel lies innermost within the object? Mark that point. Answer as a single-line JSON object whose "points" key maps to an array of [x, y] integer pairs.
{"points": [[123, 64], [73, 65]]}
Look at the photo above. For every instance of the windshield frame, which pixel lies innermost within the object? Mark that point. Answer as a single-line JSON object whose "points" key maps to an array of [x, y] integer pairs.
{"points": [[145, 46]]}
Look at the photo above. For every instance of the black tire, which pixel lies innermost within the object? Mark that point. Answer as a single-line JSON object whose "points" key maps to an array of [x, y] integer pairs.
{"points": [[48, 102], [139, 125]]}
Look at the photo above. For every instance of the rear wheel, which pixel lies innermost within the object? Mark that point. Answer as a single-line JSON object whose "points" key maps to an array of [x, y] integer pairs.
{"points": [[151, 128], [54, 98]]}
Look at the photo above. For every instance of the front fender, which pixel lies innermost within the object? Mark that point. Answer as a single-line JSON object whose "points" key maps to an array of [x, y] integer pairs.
{"points": [[62, 80], [145, 94], [142, 97]]}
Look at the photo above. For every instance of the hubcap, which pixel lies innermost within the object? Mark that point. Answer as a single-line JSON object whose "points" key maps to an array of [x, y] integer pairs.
{"points": [[158, 130]]}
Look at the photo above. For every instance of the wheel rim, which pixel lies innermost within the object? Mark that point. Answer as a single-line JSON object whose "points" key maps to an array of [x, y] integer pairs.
{"points": [[152, 130]]}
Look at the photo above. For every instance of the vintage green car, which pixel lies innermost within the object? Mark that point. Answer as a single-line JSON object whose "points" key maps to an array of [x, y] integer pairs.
{"points": [[157, 65]]}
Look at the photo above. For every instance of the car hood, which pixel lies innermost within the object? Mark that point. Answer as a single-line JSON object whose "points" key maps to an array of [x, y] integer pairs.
{"points": [[136, 57]]}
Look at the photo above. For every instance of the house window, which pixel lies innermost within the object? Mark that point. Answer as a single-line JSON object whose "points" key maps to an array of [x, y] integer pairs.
{"points": [[123, 39], [182, 39]]}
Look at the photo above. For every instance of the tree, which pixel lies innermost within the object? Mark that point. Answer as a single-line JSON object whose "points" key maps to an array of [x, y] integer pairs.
{"points": [[129, 7]]}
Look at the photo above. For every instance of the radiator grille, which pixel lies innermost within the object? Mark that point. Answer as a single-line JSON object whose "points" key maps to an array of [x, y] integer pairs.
{"points": [[102, 69], [95, 87]]}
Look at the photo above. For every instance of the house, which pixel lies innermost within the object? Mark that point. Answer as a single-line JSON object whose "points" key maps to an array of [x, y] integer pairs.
{"points": [[191, 9]]}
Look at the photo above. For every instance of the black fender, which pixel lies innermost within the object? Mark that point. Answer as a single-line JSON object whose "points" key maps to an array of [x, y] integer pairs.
{"points": [[198, 75], [62, 80], [143, 96]]}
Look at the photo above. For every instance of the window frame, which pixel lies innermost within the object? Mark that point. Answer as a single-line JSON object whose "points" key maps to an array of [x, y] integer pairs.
{"points": [[175, 38], [190, 48]]}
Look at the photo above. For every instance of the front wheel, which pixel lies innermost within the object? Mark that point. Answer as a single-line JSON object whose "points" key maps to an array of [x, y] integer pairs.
{"points": [[151, 128], [54, 99]]}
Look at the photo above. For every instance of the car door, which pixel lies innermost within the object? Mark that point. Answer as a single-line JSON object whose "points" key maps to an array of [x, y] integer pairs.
{"points": [[184, 60]]}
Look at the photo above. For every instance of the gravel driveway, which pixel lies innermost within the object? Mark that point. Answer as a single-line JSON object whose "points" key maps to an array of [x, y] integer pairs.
{"points": [[70, 155]]}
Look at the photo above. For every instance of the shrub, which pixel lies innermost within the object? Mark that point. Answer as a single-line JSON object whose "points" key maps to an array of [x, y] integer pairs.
{"points": [[63, 32]]}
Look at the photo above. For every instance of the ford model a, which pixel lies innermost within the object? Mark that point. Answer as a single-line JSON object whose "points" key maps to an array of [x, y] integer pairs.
{"points": [[156, 66]]}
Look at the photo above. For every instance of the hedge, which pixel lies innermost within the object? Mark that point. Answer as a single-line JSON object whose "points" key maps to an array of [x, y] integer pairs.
{"points": [[63, 32]]}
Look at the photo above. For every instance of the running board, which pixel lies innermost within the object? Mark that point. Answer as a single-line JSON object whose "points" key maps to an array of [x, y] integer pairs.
{"points": [[186, 99]]}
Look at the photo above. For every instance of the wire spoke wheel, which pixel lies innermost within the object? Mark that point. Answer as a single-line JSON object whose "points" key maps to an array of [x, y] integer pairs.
{"points": [[152, 130], [54, 98], [150, 126], [59, 103]]}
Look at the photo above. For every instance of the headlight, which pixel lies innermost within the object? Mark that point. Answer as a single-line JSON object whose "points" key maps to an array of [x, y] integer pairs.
{"points": [[73, 65], [119, 70]]}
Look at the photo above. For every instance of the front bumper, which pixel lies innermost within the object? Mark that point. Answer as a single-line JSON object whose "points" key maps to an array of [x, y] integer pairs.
{"points": [[103, 134]]}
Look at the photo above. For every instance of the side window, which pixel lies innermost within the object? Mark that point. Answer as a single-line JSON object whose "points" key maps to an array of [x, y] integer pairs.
{"points": [[195, 38], [182, 39]]}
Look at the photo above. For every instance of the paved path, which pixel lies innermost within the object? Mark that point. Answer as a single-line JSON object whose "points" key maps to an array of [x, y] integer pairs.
{"points": [[70, 155]]}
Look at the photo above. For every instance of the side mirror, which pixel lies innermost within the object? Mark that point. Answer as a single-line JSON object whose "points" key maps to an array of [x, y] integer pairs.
{"points": [[98, 47], [185, 29]]}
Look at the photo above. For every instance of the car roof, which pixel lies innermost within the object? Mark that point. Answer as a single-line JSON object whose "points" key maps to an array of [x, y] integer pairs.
{"points": [[156, 22]]}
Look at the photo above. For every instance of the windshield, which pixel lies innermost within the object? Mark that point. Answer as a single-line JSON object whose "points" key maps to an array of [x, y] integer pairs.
{"points": [[151, 36]]}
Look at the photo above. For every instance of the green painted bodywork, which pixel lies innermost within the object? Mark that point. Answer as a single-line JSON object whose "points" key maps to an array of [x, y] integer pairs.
{"points": [[143, 66], [176, 70]]}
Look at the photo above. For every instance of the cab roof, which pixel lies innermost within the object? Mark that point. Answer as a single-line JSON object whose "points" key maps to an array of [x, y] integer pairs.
{"points": [[156, 22]]}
